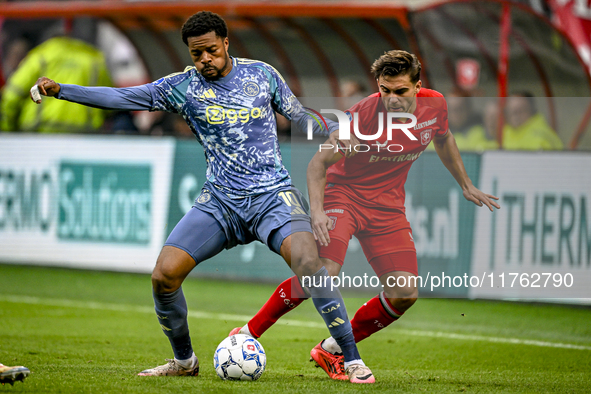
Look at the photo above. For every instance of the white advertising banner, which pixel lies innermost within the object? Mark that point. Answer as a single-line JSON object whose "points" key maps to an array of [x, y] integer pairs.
{"points": [[84, 201], [538, 245]]}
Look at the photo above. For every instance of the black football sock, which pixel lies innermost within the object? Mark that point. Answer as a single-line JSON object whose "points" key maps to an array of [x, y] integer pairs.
{"points": [[171, 309]]}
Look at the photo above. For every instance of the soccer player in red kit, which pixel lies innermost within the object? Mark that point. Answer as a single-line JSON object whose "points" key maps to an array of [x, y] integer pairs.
{"points": [[363, 195]]}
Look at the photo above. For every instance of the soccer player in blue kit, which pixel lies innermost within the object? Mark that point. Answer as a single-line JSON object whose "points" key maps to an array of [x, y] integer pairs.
{"points": [[229, 104]]}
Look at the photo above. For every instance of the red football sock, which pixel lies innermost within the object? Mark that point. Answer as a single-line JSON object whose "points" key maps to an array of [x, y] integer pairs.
{"points": [[286, 297], [373, 316]]}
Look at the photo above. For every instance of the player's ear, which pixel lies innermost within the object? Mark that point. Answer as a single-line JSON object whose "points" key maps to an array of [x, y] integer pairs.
{"points": [[226, 43], [418, 85]]}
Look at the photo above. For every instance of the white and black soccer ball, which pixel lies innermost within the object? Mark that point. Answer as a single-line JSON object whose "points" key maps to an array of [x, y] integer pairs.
{"points": [[239, 357]]}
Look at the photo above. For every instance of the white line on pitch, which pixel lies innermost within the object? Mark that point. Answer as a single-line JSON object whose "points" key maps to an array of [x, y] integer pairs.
{"points": [[285, 322]]}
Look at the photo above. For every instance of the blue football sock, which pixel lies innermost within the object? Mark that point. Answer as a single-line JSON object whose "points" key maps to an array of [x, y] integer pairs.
{"points": [[329, 303], [171, 309]]}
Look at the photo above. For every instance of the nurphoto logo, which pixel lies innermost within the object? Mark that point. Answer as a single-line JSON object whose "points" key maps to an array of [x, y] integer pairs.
{"points": [[345, 119]]}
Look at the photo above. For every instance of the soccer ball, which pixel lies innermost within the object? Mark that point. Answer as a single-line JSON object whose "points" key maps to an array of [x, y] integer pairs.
{"points": [[239, 357]]}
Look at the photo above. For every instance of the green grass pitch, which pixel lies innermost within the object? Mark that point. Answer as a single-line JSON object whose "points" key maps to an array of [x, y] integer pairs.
{"points": [[92, 332]]}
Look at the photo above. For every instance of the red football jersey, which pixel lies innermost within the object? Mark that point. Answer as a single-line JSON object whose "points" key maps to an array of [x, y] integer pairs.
{"points": [[376, 178]]}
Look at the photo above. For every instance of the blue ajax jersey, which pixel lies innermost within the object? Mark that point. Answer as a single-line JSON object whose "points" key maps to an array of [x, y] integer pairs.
{"points": [[233, 118]]}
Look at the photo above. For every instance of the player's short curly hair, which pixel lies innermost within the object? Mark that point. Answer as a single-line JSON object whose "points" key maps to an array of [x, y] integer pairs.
{"points": [[202, 23], [397, 62]]}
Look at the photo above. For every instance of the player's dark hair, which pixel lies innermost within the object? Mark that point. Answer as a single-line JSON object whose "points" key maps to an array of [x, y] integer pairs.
{"points": [[397, 62], [202, 23]]}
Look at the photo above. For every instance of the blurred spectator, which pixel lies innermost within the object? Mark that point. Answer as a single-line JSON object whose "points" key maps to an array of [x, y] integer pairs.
{"points": [[525, 128], [490, 120], [18, 36], [68, 60], [351, 88], [120, 122], [467, 125], [15, 52], [353, 91], [170, 125]]}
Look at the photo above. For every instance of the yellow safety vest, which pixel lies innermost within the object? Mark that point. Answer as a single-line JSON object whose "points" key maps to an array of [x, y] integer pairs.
{"points": [[534, 134], [65, 60]]}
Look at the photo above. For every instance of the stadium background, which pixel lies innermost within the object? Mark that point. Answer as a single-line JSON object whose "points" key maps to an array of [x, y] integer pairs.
{"points": [[53, 187]]}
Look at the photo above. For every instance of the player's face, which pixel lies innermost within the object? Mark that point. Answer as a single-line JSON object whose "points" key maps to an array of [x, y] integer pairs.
{"points": [[210, 55], [398, 93]]}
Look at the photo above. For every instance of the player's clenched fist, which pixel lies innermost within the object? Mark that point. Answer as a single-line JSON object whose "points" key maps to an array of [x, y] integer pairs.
{"points": [[47, 87]]}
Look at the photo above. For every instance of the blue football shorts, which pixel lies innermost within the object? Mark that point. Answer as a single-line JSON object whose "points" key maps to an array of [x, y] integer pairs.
{"points": [[218, 222]]}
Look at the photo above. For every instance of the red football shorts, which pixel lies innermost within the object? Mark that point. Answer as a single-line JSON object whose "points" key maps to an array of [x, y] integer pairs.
{"points": [[385, 236]]}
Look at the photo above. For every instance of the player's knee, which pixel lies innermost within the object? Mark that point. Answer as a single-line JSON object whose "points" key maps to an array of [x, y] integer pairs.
{"points": [[164, 281], [408, 292], [306, 265], [402, 297], [333, 270], [402, 304]]}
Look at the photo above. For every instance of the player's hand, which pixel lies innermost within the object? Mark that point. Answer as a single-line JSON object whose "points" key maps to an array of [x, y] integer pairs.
{"points": [[321, 224], [479, 198], [47, 87], [345, 146]]}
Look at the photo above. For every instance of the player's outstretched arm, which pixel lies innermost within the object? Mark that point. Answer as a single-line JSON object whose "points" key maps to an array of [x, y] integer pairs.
{"points": [[138, 98], [448, 152], [316, 175]]}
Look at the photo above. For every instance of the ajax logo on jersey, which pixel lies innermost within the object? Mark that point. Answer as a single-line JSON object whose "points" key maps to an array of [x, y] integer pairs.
{"points": [[251, 89]]}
